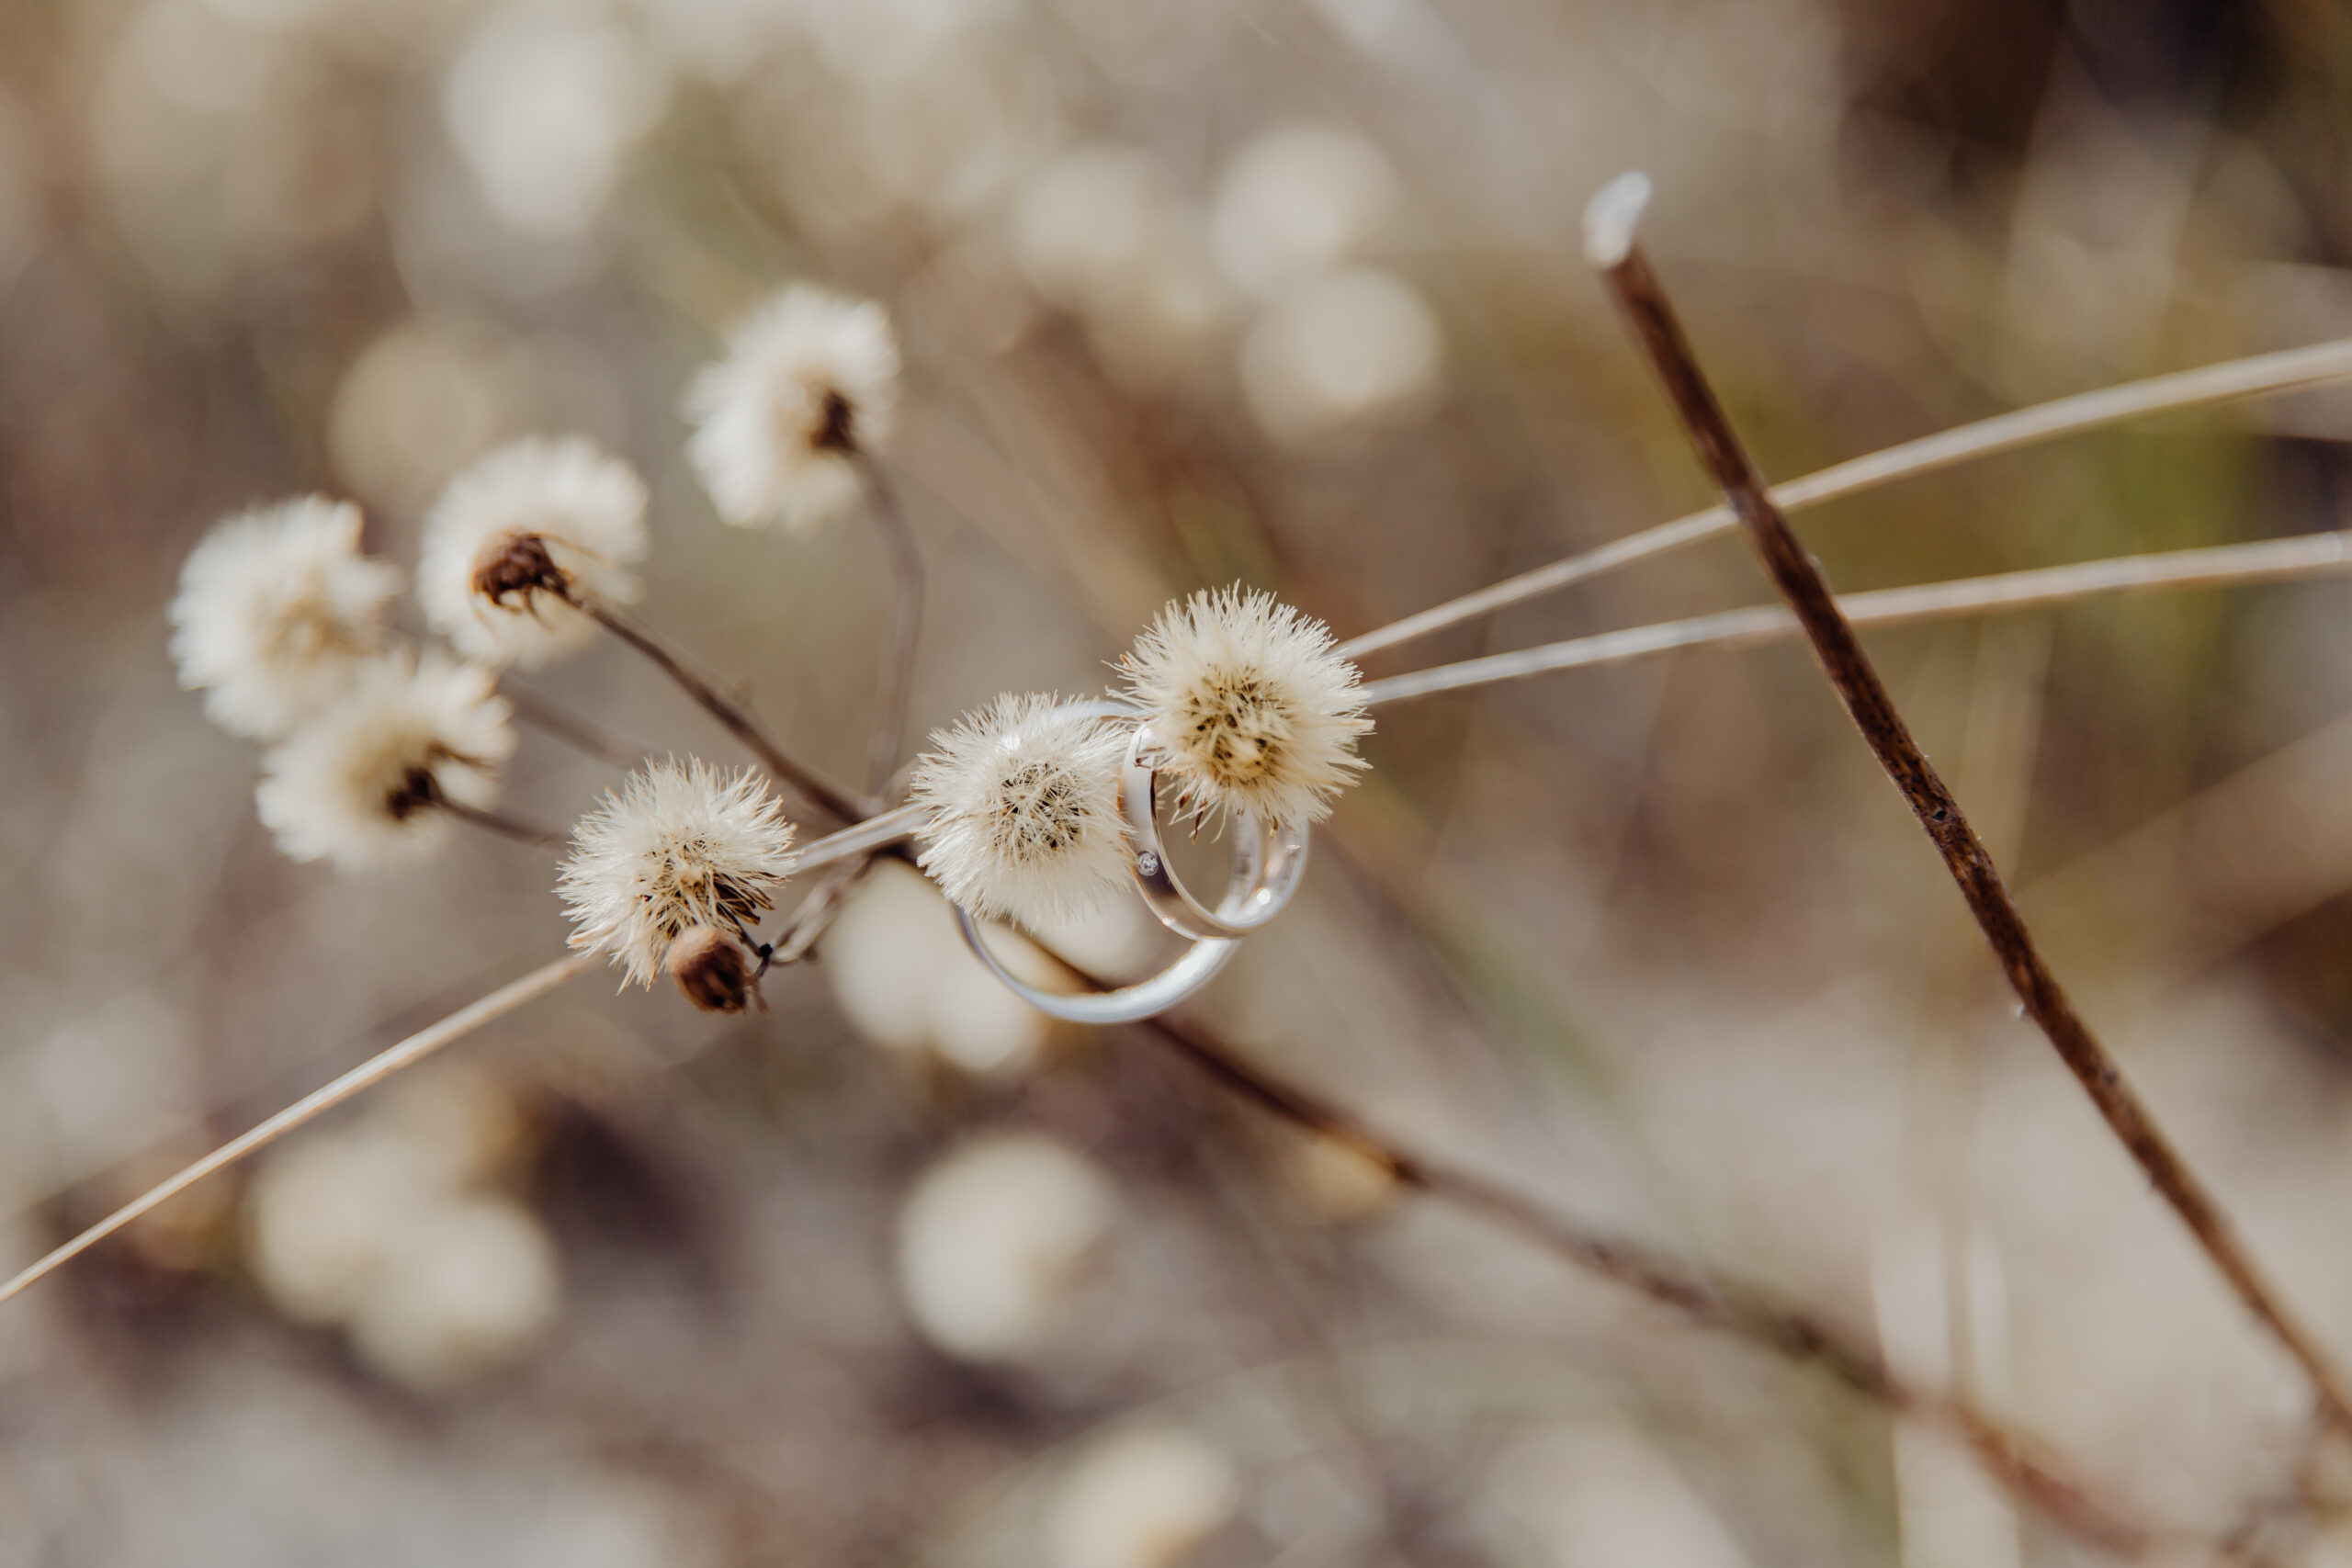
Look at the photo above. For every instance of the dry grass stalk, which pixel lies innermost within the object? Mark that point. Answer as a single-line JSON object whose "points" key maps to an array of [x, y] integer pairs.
{"points": [[1609, 237], [2267, 560], [2260, 375], [1745, 1312], [366, 1076]]}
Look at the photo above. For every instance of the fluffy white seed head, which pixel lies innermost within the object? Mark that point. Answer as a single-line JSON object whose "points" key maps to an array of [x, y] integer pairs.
{"points": [[386, 1229], [902, 976], [679, 846], [362, 783], [995, 1242], [321, 1216], [275, 610], [810, 381], [1140, 1498], [1252, 708], [514, 532], [465, 1285], [1022, 803]]}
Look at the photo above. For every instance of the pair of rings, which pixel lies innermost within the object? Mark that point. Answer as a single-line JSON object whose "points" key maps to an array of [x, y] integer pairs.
{"points": [[1267, 866]]}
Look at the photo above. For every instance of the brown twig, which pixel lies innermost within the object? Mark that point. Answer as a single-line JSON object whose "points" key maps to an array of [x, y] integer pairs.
{"points": [[815, 915], [905, 622], [504, 825], [1609, 239], [1740, 1310], [737, 718], [583, 735]]}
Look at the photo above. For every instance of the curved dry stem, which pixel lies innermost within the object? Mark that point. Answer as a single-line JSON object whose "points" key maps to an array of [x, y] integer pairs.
{"points": [[366, 1076], [734, 715], [906, 625], [584, 736], [506, 827], [1745, 1312], [2269, 560], [1642, 299], [2255, 377], [864, 836]]}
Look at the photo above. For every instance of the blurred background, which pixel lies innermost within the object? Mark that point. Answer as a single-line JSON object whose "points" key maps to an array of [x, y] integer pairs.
{"points": [[1286, 293]]}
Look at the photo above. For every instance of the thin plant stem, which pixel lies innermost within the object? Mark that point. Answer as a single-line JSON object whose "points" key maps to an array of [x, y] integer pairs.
{"points": [[815, 915], [583, 735], [906, 623], [887, 828], [2308, 555], [504, 825], [1746, 1313], [366, 1076], [1609, 232], [733, 715], [2200, 388], [1793, 1333], [2305, 556]]}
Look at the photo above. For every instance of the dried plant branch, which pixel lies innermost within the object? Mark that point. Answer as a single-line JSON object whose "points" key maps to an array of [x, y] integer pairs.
{"points": [[583, 735], [906, 625], [2262, 374], [1610, 235], [498, 822], [733, 715], [1743, 1312], [2267, 560], [366, 1076], [872, 833], [815, 915]]}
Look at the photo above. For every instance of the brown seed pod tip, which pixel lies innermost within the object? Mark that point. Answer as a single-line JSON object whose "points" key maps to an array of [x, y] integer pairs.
{"points": [[711, 970], [523, 566]]}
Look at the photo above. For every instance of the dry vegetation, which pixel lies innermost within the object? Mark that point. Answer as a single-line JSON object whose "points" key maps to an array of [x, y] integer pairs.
{"points": [[1189, 294]]}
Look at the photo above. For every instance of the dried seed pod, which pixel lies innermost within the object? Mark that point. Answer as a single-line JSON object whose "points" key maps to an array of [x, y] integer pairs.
{"points": [[710, 969]]}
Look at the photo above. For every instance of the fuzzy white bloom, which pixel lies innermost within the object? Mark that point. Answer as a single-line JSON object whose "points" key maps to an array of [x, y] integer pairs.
{"points": [[1295, 203], [385, 1230], [514, 532], [903, 978], [362, 783], [809, 380], [1022, 803], [1350, 351], [468, 1283], [1140, 1498], [677, 847], [277, 609], [542, 104], [1252, 708], [321, 1216], [995, 1240]]}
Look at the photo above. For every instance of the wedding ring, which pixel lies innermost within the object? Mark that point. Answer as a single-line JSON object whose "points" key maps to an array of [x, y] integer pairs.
{"points": [[1126, 1005], [1266, 866]]}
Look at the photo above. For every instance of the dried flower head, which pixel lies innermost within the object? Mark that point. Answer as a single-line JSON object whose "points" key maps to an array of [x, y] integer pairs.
{"points": [[1143, 1496], [808, 382], [1021, 804], [998, 1241], [1252, 708], [516, 535], [277, 609], [364, 783], [710, 970], [679, 846]]}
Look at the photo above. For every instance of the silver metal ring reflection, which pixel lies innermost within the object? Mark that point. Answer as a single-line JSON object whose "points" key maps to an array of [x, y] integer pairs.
{"points": [[1266, 865], [1126, 1005]]}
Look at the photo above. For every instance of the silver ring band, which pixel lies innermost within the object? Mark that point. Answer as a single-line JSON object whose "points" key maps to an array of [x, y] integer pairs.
{"points": [[1266, 865], [1126, 1005]]}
